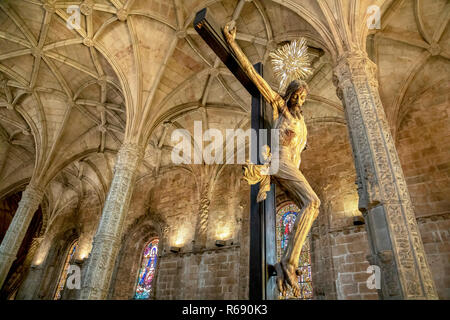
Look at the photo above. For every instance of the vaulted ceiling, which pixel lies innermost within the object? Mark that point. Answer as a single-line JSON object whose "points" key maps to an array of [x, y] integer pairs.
{"points": [[137, 70]]}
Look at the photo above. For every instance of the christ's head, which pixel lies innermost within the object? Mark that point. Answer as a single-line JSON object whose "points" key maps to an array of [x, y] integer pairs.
{"points": [[295, 95]]}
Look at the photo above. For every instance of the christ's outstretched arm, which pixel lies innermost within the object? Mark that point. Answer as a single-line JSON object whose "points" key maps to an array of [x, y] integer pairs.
{"points": [[272, 97]]}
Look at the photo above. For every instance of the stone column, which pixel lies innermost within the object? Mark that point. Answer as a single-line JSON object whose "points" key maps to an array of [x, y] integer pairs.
{"points": [[394, 239], [31, 198], [107, 239], [203, 215]]}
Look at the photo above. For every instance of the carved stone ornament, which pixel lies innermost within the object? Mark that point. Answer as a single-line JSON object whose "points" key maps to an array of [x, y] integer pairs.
{"points": [[86, 7], [122, 14]]}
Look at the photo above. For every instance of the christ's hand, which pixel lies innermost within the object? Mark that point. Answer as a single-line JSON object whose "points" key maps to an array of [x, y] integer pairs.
{"points": [[230, 31]]}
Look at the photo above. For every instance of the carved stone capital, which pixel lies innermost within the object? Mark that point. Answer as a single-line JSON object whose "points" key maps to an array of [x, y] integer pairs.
{"points": [[355, 66], [109, 237], [32, 196], [129, 157]]}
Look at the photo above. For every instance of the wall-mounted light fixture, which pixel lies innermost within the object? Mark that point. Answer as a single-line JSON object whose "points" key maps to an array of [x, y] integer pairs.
{"points": [[83, 254], [180, 237], [224, 232], [175, 249], [220, 243], [80, 261], [358, 220]]}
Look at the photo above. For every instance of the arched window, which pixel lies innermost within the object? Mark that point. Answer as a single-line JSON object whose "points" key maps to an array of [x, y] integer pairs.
{"points": [[63, 276], [286, 217], [147, 270]]}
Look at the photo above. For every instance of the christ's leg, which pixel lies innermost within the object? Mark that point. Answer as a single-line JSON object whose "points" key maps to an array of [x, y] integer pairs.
{"points": [[303, 195]]}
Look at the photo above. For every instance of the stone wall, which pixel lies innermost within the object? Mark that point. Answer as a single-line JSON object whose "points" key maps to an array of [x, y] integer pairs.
{"points": [[332, 173], [322, 266], [212, 274], [172, 200], [435, 231], [128, 264], [423, 145], [339, 248], [350, 248]]}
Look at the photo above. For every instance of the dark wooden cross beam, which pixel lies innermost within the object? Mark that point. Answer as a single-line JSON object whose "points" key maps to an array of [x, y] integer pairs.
{"points": [[262, 215], [211, 32]]}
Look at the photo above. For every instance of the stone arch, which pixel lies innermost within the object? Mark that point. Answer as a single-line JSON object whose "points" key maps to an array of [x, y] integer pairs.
{"points": [[136, 237], [422, 144], [42, 279], [57, 256]]}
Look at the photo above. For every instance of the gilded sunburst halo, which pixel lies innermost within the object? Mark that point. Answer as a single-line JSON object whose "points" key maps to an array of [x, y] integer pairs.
{"points": [[291, 62]]}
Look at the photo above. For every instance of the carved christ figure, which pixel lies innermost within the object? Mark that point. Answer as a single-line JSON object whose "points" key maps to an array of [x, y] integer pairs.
{"points": [[288, 118]]}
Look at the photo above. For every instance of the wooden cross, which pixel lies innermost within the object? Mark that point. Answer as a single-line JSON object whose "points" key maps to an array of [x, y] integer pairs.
{"points": [[262, 215]]}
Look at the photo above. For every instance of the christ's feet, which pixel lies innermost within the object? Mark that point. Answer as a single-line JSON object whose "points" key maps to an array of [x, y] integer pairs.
{"points": [[287, 276]]}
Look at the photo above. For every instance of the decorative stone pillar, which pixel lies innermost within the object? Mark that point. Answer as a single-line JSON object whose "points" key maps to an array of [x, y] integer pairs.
{"points": [[107, 239], [384, 200], [203, 215], [31, 198]]}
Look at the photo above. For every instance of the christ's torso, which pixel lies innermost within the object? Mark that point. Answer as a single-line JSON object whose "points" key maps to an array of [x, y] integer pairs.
{"points": [[292, 138]]}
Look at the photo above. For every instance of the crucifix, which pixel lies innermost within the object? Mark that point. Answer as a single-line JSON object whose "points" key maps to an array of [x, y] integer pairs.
{"points": [[262, 214], [291, 63]]}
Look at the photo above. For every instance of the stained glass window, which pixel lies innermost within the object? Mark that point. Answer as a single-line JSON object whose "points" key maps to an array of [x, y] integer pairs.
{"points": [[63, 277], [147, 270], [286, 217]]}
